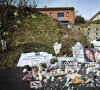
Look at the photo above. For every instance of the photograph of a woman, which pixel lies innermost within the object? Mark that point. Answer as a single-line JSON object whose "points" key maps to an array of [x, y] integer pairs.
{"points": [[89, 55]]}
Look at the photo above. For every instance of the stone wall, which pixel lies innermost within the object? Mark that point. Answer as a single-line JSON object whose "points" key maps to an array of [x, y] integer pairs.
{"points": [[92, 31]]}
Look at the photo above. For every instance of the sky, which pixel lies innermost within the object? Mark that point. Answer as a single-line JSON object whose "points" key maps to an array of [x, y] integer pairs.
{"points": [[85, 8]]}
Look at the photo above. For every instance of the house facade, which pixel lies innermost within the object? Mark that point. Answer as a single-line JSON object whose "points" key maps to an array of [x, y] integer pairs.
{"points": [[96, 17], [59, 13]]}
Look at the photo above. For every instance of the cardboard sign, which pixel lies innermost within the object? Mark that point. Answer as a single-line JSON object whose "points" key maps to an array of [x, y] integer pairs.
{"points": [[35, 84], [33, 59], [78, 54], [63, 61]]}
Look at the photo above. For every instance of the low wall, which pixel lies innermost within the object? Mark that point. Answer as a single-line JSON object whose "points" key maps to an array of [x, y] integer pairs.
{"points": [[92, 31]]}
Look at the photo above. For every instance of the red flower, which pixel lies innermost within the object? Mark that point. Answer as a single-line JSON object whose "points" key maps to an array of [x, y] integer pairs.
{"points": [[15, 26]]}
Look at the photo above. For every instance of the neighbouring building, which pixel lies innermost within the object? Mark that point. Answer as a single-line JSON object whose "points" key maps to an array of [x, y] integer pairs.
{"points": [[60, 13], [92, 31], [96, 17]]}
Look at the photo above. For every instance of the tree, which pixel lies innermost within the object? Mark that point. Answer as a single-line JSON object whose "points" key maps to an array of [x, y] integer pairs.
{"points": [[79, 20], [11, 11], [6, 7]]}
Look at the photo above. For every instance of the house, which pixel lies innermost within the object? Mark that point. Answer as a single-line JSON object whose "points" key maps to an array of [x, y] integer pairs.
{"points": [[60, 13], [96, 17]]}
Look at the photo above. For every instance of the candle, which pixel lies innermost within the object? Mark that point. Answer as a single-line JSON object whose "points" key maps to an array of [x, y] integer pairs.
{"points": [[43, 72], [90, 63], [40, 77], [87, 70], [79, 65], [58, 71], [93, 64], [47, 77], [52, 78], [50, 73], [66, 70], [98, 73], [85, 65], [37, 78], [62, 72]]}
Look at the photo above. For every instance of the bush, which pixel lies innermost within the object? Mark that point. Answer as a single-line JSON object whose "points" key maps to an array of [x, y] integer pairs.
{"points": [[44, 65], [53, 61]]}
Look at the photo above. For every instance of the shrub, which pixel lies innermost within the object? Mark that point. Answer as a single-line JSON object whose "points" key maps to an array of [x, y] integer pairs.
{"points": [[53, 61], [43, 65]]}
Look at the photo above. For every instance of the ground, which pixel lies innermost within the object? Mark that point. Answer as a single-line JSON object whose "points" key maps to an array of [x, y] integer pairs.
{"points": [[10, 79]]}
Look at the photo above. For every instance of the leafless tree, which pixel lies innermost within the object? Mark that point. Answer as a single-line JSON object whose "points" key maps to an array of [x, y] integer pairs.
{"points": [[5, 6], [4, 9]]}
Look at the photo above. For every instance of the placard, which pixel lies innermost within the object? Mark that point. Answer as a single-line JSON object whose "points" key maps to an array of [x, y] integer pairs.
{"points": [[63, 61], [33, 59], [78, 54]]}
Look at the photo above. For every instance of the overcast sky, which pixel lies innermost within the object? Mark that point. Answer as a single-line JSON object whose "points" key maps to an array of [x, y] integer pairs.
{"points": [[85, 8]]}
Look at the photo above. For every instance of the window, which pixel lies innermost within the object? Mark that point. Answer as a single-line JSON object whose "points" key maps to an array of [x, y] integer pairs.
{"points": [[88, 33], [60, 15], [98, 39], [96, 29], [50, 14], [67, 14], [96, 33]]}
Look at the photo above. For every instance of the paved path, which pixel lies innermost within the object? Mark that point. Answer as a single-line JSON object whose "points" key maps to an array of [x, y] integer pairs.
{"points": [[10, 79]]}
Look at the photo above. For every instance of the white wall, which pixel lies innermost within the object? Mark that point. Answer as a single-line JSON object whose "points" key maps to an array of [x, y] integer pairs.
{"points": [[96, 18]]}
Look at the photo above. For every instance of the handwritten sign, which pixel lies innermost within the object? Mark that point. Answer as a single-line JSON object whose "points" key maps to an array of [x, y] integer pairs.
{"points": [[32, 59], [78, 54]]}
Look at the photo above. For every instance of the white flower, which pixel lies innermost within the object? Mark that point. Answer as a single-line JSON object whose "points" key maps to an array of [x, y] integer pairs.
{"points": [[16, 13], [57, 48]]}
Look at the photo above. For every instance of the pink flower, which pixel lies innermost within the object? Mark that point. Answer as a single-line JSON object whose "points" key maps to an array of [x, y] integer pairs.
{"points": [[75, 60], [70, 64], [15, 26]]}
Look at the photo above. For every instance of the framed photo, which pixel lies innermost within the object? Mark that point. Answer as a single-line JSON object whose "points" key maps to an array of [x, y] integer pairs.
{"points": [[89, 55], [35, 84]]}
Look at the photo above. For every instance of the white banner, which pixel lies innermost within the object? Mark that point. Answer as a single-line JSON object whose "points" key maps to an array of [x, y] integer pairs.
{"points": [[33, 59]]}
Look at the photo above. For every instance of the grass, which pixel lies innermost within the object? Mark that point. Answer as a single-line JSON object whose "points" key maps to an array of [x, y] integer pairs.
{"points": [[36, 35]]}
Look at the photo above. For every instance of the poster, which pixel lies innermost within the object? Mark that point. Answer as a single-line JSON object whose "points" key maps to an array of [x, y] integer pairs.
{"points": [[89, 55], [78, 52]]}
